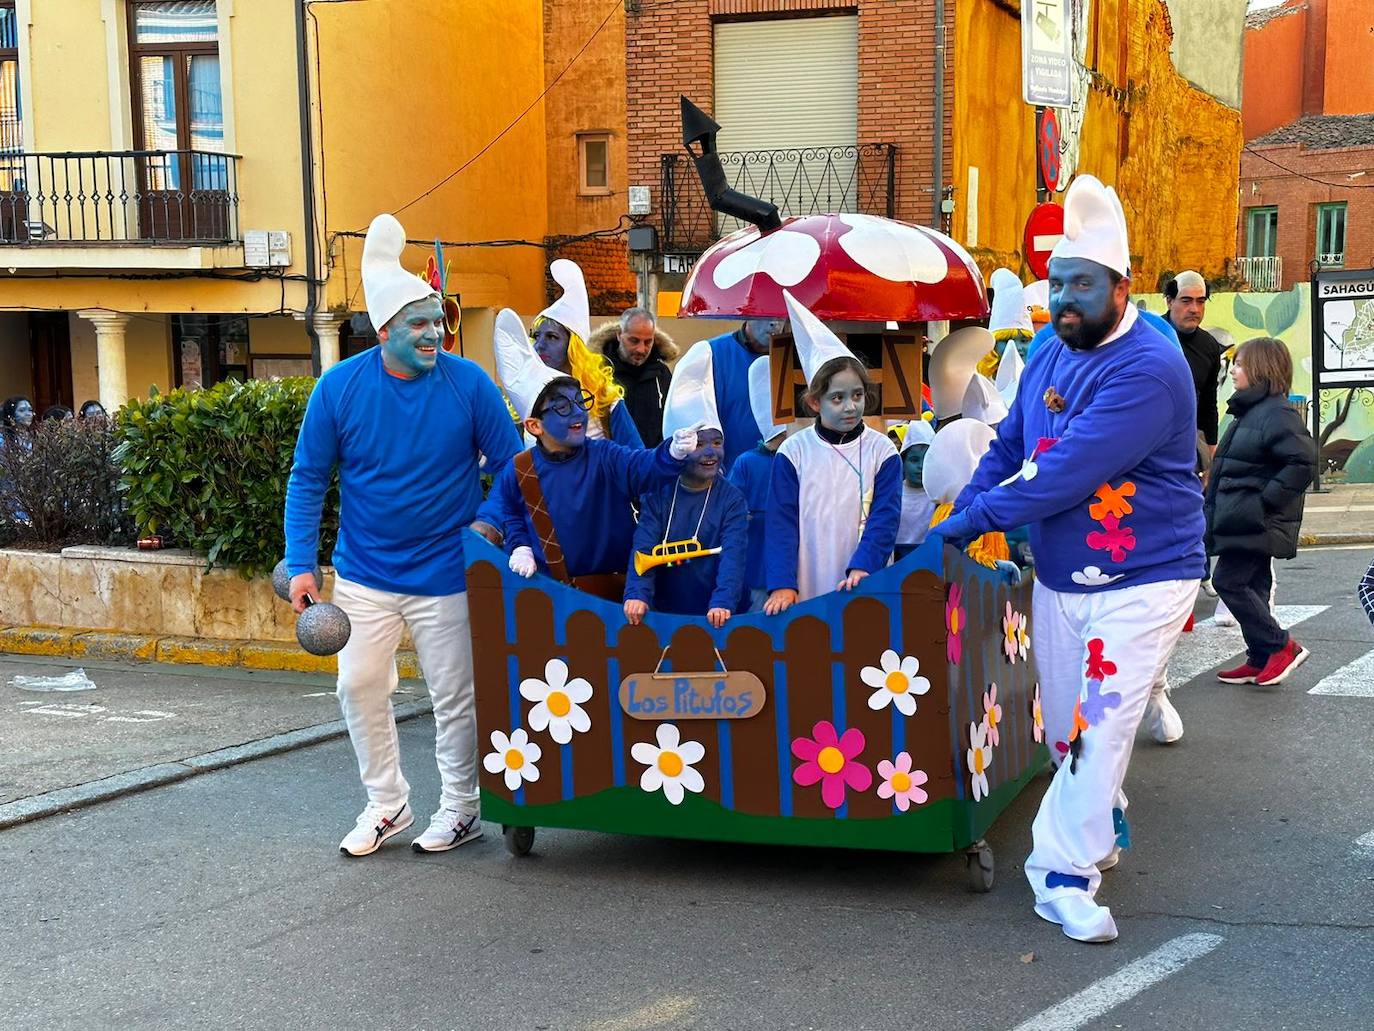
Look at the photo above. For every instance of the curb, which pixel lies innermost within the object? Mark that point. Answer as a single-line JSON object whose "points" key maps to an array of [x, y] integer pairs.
{"points": [[1320, 539], [79, 796], [78, 643]]}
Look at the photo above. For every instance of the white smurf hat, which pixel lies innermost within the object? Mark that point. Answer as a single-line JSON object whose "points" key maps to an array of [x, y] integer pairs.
{"points": [[570, 310], [953, 458], [952, 364], [691, 401], [518, 365], [761, 399], [1009, 372], [387, 286], [1037, 295], [1009, 309], [918, 431], [982, 401], [1094, 226], [816, 344]]}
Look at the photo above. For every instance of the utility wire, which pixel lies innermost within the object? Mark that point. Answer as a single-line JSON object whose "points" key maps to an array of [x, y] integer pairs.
{"points": [[1304, 175]]}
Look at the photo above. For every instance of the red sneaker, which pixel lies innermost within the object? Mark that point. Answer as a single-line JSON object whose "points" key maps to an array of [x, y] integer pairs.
{"points": [[1282, 663], [1242, 674]]}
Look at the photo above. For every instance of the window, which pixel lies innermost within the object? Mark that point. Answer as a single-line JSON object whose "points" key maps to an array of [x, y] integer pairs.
{"points": [[1261, 232], [11, 117], [1331, 235], [209, 349], [594, 164]]}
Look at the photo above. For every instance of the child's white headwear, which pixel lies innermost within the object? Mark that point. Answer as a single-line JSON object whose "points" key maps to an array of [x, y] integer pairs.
{"points": [[761, 399], [518, 365], [387, 286], [1009, 309], [691, 401], [571, 309], [816, 344], [953, 458], [1009, 372], [982, 401], [918, 431], [952, 364]]}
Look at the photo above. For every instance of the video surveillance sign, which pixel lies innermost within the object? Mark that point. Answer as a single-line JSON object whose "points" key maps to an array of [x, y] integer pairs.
{"points": [[1046, 53]]}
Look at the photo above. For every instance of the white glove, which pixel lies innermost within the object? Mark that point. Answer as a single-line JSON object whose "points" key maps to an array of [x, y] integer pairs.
{"points": [[522, 562], [684, 443]]}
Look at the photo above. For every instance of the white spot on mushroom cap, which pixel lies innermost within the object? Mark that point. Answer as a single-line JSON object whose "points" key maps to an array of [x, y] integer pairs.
{"points": [[785, 257], [893, 251]]}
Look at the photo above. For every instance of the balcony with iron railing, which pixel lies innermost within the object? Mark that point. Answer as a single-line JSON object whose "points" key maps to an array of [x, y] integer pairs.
{"points": [[1263, 274], [806, 181], [96, 201]]}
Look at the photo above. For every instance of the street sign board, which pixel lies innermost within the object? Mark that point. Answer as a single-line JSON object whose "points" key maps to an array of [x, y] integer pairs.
{"points": [[1047, 147], [1045, 53], [1343, 328], [1044, 229]]}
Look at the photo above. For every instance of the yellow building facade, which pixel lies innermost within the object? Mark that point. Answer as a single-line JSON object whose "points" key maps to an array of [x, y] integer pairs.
{"points": [[154, 224], [1171, 149]]}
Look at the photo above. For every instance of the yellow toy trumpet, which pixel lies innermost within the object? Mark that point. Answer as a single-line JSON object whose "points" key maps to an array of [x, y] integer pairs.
{"points": [[671, 553]]}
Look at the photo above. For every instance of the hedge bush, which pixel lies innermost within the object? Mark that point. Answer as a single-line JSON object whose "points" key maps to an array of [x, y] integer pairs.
{"points": [[207, 469], [59, 485]]}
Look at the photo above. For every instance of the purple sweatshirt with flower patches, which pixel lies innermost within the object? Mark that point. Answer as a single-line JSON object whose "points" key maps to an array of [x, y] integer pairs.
{"points": [[1115, 499]]}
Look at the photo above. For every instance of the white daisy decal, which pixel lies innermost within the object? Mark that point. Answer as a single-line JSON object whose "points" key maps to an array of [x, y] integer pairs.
{"points": [[896, 682], [1092, 576], [557, 701], [516, 756], [979, 759], [670, 764]]}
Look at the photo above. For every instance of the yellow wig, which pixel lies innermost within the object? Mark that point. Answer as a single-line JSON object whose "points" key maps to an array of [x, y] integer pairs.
{"points": [[593, 371]]}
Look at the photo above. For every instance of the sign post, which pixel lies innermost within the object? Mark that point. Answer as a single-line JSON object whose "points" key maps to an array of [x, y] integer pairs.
{"points": [[1046, 79], [1342, 338]]}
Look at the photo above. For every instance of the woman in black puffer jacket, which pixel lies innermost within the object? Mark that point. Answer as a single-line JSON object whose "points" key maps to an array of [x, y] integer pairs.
{"points": [[1254, 505]]}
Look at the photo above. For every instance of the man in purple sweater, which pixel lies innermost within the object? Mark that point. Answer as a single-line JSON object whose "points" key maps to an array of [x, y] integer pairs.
{"points": [[1097, 456]]}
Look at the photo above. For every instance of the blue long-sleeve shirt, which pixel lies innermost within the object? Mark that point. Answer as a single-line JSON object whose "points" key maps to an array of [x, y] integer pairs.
{"points": [[1115, 500], [1046, 332], [623, 429], [730, 361], [407, 453], [751, 473], [588, 494], [700, 584]]}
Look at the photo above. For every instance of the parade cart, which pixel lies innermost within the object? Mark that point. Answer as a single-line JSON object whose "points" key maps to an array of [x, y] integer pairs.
{"points": [[903, 715]]}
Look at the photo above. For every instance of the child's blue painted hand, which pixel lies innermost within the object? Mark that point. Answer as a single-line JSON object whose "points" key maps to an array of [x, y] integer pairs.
{"points": [[1009, 571]]}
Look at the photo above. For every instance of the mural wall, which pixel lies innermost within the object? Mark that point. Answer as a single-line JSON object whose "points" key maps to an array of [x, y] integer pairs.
{"points": [[1347, 416]]}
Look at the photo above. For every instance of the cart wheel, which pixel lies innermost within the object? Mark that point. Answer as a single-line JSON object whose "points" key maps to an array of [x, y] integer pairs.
{"points": [[980, 867], [519, 840]]}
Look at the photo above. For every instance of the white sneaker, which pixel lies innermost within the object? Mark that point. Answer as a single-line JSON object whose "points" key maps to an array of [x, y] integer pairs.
{"points": [[1222, 616], [1081, 918], [1166, 725], [449, 828], [375, 824], [1112, 858]]}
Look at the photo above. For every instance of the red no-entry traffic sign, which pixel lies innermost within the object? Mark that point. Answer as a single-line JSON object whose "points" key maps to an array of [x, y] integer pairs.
{"points": [[1044, 229]]}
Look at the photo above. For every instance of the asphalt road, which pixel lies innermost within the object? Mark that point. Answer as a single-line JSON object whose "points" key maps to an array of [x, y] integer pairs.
{"points": [[1246, 901]]}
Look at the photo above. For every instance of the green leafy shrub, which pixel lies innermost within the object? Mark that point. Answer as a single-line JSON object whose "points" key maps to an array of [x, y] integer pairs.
{"points": [[207, 469], [59, 485]]}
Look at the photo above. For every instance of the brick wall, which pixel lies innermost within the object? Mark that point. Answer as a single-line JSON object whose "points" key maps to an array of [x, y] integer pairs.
{"points": [[669, 47], [1262, 184], [605, 265]]}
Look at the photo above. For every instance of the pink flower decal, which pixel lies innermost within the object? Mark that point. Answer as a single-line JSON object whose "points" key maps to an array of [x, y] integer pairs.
{"points": [[954, 623], [1011, 634], [1037, 716], [900, 782], [829, 758], [1113, 538], [992, 715]]}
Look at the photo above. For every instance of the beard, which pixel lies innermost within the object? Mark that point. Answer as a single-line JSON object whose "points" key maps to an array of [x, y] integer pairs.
{"points": [[1088, 333]]}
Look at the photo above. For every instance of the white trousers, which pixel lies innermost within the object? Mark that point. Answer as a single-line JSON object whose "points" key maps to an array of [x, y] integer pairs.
{"points": [[1114, 646], [367, 680]]}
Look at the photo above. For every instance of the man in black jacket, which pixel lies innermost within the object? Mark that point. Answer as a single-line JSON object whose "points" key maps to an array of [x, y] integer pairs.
{"points": [[1187, 296], [639, 352]]}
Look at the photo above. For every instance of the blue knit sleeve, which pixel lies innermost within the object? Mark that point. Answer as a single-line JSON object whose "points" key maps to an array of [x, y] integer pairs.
{"points": [[623, 429], [734, 544], [317, 452], [780, 526], [649, 532]]}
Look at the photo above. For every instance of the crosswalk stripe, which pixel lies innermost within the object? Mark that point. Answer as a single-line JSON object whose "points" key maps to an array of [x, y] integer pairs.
{"points": [[1353, 680], [1210, 646]]}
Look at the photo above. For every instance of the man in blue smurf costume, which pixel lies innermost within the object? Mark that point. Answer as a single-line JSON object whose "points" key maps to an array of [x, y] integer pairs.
{"points": [[1097, 456], [404, 425]]}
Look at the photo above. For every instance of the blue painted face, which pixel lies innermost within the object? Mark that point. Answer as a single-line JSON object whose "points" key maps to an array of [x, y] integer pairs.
{"points": [[914, 464], [759, 333], [411, 340], [563, 418], [1084, 305], [704, 463], [551, 344], [843, 403]]}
